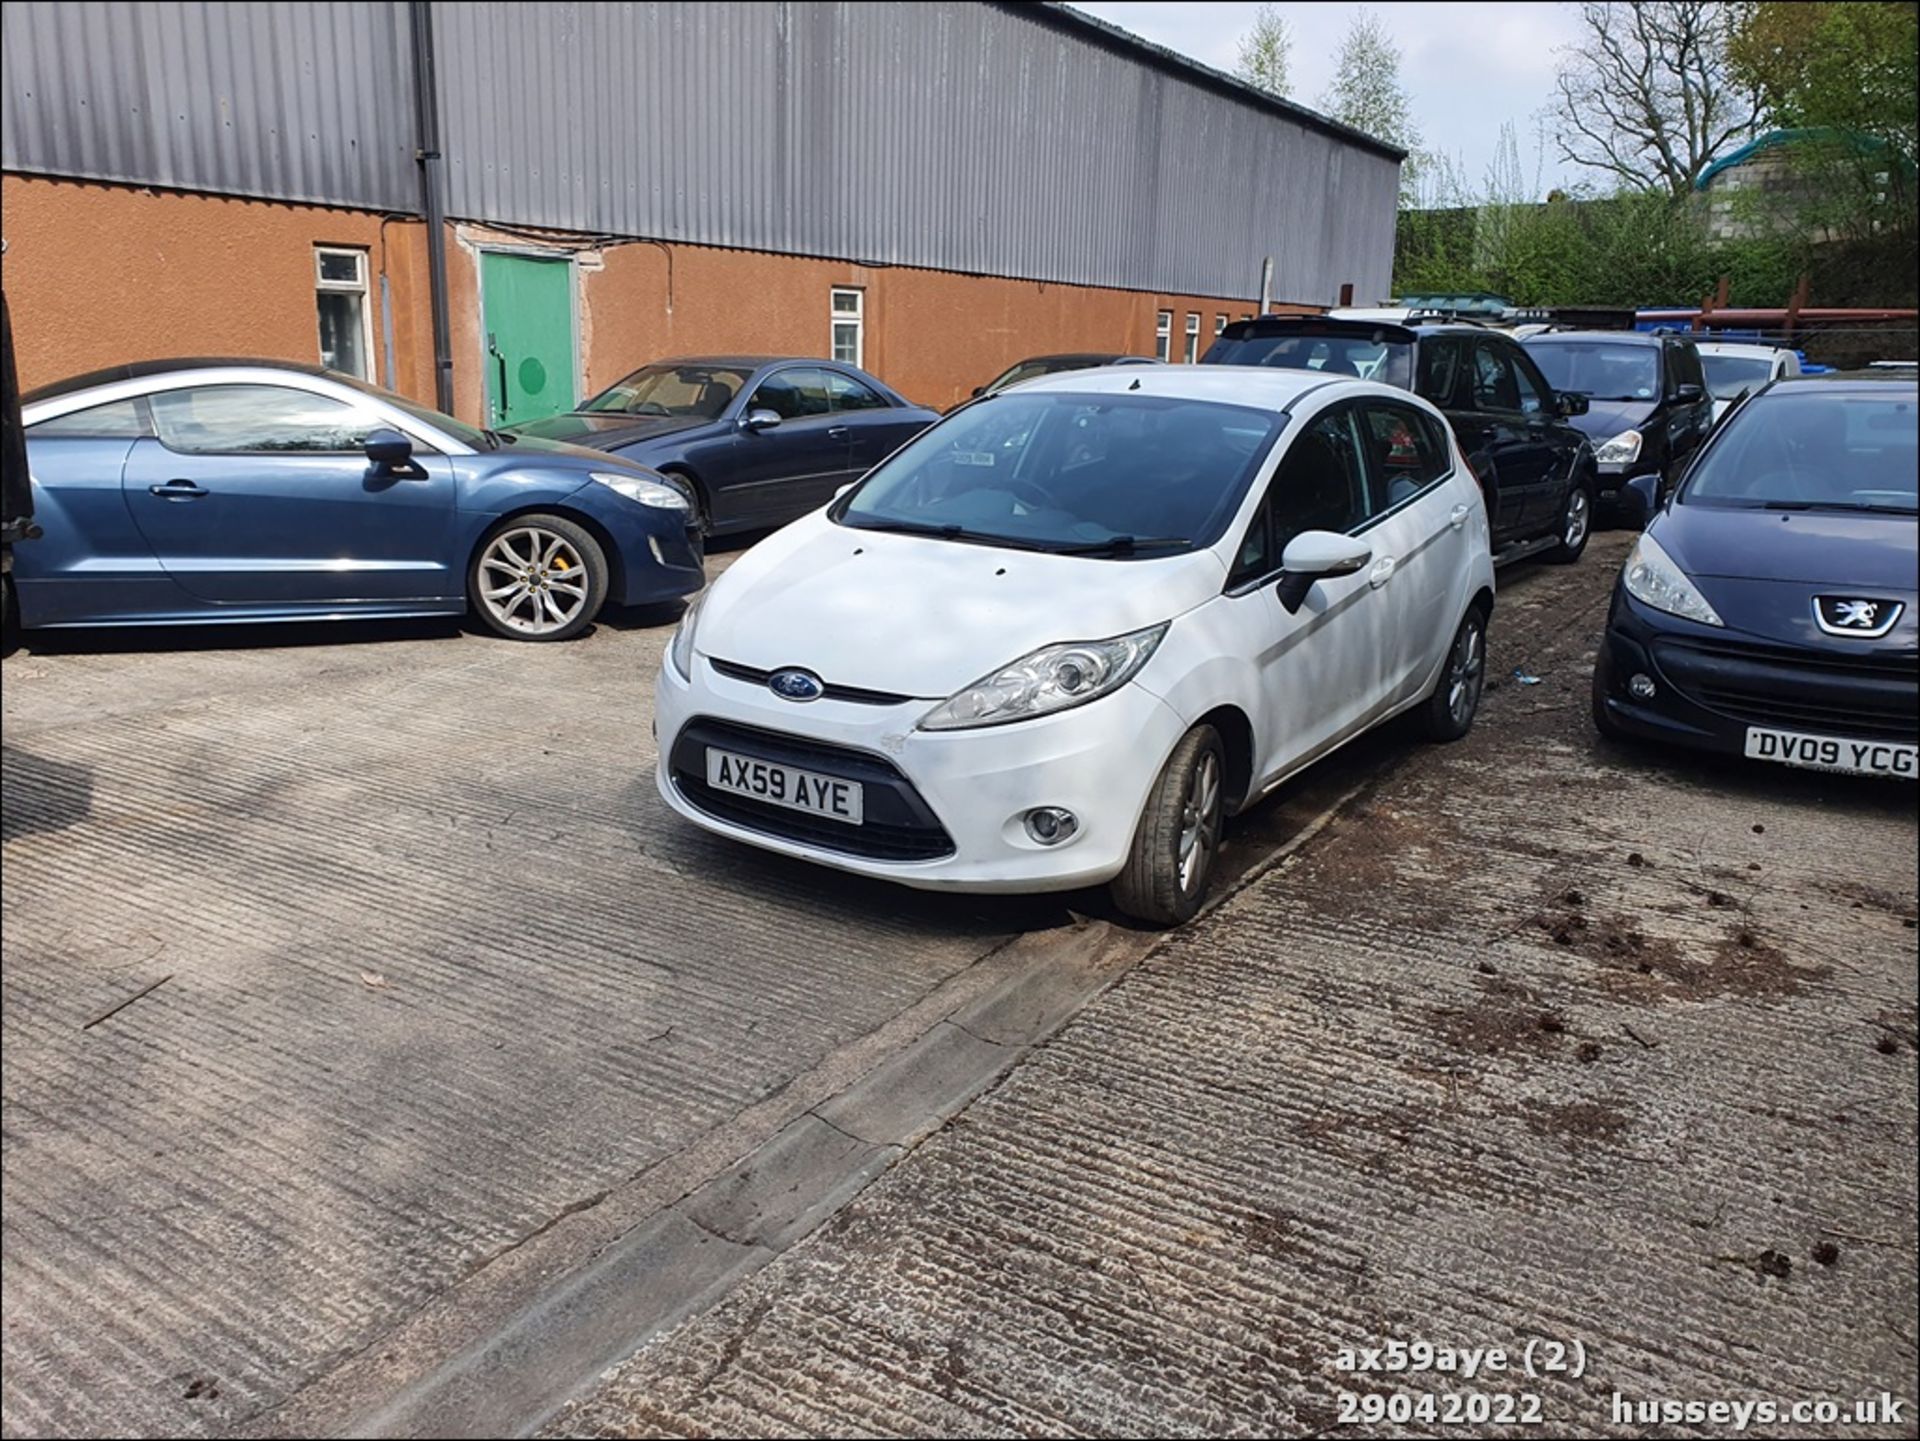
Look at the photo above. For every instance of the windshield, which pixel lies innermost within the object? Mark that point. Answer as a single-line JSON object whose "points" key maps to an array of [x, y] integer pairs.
{"points": [[1801, 449], [697, 392], [1065, 470], [1347, 355], [469, 436], [1729, 375], [1602, 369]]}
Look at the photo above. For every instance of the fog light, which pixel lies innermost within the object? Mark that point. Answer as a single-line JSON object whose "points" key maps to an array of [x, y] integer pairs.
{"points": [[1641, 687], [1049, 825]]}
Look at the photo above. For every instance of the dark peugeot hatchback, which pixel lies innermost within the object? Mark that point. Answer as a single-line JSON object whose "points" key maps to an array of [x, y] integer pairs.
{"points": [[1768, 610]]}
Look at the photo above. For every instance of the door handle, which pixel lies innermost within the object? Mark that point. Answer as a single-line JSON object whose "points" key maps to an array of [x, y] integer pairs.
{"points": [[1457, 517], [836, 432], [176, 490], [1382, 571]]}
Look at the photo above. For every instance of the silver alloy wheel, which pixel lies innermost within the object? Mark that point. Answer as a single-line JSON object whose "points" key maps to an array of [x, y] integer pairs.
{"points": [[1466, 669], [1578, 517], [532, 580], [1199, 822]]}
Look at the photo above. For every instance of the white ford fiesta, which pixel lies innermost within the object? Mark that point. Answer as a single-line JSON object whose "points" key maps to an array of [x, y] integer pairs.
{"points": [[1057, 638]]}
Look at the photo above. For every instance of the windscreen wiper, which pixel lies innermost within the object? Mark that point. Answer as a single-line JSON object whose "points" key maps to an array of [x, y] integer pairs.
{"points": [[500, 439], [1122, 545], [1866, 505], [944, 532]]}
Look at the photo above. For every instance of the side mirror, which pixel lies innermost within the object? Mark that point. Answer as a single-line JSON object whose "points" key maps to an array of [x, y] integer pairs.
{"points": [[1572, 402], [1315, 555], [390, 455], [845, 488], [759, 419], [1639, 499], [1689, 391]]}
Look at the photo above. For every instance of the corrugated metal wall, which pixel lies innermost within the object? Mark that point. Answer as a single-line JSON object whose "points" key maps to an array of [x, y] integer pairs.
{"points": [[957, 136], [299, 102]]}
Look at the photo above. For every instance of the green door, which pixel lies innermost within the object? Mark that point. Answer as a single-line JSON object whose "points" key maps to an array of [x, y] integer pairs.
{"points": [[527, 302]]}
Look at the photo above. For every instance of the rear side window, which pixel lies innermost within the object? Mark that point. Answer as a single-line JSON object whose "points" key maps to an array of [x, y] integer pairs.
{"points": [[1406, 453], [116, 418], [849, 394], [1438, 365], [256, 419]]}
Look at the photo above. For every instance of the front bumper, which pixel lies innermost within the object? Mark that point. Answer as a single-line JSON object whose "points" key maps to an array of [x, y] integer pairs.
{"points": [[1710, 686], [660, 554], [962, 794]]}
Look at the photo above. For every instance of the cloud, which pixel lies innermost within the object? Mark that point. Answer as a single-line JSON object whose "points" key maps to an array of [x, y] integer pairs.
{"points": [[1468, 69]]}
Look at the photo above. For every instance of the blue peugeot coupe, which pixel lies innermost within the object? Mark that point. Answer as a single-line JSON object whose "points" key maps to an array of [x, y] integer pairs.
{"points": [[1769, 609], [191, 491]]}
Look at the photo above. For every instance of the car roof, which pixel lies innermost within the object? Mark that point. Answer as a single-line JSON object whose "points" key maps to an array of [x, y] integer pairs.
{"points": [[141, 369], [1257, 386], [1090, 357], [1615, 337], [1738, 347], [744, 362], [1836, 380]]}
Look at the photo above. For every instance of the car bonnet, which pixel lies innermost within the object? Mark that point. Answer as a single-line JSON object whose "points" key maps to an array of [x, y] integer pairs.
{"points": [[923, 617]]}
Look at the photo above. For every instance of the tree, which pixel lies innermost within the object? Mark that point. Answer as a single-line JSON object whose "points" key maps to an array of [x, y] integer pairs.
{"points": [[1845, 67], [1265, 52], [1366, 93], [1648, 95]]}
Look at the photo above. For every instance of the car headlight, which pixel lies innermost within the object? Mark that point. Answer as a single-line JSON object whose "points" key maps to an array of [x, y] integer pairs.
{"points": [[647, 492], [1623, 449], [1652, 578], [1053, 678], [680, 648]]}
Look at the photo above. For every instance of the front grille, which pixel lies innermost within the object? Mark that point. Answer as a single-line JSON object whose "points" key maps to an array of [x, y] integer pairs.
{"points": [[828, 691], [898, 825], [1867, 697]]}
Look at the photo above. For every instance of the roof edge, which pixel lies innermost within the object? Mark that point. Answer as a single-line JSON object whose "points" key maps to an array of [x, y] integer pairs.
{"points": [[1113, 37]]}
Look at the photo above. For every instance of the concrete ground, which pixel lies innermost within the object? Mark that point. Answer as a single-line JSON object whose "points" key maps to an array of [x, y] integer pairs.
{"points": [[380, 1056], [1542, 1041]]}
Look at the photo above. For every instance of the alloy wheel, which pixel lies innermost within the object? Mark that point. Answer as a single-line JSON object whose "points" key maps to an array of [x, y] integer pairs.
{"points": [[1466, 670], [1200, 823], [1579, 517], [532, 580]]}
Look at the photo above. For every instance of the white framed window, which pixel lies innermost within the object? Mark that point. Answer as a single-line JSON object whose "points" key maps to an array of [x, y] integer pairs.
{"points": [[1193, 337], [345, 312], [849, 323], [1163, 335], [1219, 324]]}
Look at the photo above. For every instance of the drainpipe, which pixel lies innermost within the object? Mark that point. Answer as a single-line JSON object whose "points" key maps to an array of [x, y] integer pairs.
{"points": [[426, 111], [1266, 284]]}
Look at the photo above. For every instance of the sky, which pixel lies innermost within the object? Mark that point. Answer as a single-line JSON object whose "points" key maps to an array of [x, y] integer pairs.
{"points": [[1467, 67]]}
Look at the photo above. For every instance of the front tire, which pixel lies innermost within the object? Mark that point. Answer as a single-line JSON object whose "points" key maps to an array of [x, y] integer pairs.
{"points": [[538, 577], [1576, 523], [1449, 711], [1167, 870]]}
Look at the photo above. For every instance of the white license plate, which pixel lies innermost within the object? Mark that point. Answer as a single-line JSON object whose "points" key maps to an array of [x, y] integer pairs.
{"points": [[1825, 753], [787, 786]]}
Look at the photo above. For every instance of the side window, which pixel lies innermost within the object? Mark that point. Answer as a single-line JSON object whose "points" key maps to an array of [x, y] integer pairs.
{"points": [[256, 419], [117, 418], [1533, 398], [1321, 484], [793, 394], [1256, 556], [846, 393], [1493, 384], [1532, 380], [1439, 361], [1685, 365], [1405, 453]]}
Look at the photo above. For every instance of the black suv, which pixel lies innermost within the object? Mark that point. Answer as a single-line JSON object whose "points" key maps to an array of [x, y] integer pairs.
{"points": [[1535, 470], [1648, 405]]}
